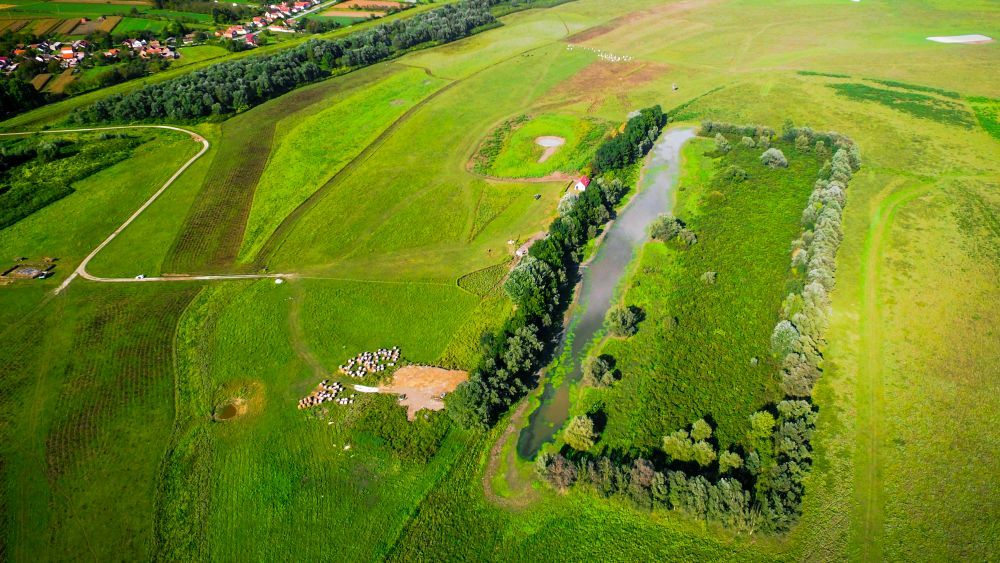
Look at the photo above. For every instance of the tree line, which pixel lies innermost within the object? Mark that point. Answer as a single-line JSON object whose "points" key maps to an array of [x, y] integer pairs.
{"points": [[540, 285], [236, 86], [759, 485], [633, 143], [761, 492]]}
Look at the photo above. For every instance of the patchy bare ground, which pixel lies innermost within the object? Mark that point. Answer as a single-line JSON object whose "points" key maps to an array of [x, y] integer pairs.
{"points": [[423, 387], [659, 12]]}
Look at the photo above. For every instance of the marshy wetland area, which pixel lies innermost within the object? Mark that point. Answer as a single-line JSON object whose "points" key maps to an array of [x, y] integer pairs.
{"points": [[515, 280]]}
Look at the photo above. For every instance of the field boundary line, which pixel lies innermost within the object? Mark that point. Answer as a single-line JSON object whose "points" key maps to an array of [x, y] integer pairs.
{"points": [[81, 270]]}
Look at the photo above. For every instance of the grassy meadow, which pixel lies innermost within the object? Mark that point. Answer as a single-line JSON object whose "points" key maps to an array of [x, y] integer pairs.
{"points": [[361, 185], [520, 155], [693, 355]]}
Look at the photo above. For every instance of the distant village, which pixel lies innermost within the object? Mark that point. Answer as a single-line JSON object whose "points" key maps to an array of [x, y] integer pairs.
{"points": [[273, 19], [69, 54]]}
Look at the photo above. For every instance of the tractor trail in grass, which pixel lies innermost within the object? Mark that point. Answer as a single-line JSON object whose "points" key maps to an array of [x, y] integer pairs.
{"points": [[868, 488]]}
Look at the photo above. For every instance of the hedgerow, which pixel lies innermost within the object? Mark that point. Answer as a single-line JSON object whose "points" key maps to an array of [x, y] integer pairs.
{"points": [[36, 172]]}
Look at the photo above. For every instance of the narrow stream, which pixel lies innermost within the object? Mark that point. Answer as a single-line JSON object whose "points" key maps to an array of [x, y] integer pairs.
{"points": [[600, 278]]}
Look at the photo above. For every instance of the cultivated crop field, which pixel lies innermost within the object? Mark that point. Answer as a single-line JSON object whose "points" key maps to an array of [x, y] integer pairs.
{"points": [[363, 189]]}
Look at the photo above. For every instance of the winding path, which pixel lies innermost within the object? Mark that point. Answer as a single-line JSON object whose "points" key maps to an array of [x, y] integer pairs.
{"points": [[81, 270]]}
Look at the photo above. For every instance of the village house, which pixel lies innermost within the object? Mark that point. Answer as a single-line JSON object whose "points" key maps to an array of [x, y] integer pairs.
{"points": [[582, 183]]}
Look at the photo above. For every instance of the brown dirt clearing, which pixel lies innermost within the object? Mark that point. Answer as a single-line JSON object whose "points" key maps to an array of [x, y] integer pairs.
{"points": [[335, 11], [635, 17], [423, 387]]}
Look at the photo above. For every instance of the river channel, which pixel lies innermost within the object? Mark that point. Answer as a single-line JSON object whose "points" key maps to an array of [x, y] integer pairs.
{"points": [[600, 279]]}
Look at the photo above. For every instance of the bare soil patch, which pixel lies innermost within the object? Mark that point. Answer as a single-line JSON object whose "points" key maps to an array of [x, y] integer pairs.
{"points": [[424, 387], [634, 17], [229, 411], [352, 13], [372, 4], [551, 144], [603, 80]]}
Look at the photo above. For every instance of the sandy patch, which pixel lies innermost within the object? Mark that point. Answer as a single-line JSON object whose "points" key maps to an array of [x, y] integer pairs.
{"points": [[372, 4], [551, 144], [5, 6], [423, 387], [968, 39], [239, 399]]}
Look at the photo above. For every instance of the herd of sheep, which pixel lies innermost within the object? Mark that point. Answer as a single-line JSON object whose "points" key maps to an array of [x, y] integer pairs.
{"points": [[371, 362], [327, 391]]}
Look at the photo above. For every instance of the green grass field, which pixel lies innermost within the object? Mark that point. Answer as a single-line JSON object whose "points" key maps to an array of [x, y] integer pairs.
{"points": [[130, 25], [692, 356], [360, 184], [520, 155]]}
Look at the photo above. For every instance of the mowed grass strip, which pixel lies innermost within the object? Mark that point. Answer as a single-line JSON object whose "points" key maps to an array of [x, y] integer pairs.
{"points": [[692, 357]]}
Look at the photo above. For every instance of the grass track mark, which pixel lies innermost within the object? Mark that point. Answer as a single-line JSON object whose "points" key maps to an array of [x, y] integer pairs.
{"points": [[868, 487]]}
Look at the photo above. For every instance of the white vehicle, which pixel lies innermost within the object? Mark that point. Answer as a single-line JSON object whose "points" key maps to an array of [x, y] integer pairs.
{"points": [[141, 277]]}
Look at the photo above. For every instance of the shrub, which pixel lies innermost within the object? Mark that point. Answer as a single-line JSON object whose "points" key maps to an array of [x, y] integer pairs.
{"points": [[688, 237], [735, 174], [784, 339], [774, 158], [802, 143], [579, 433], [665, 228], [624, 321], [721, 144], [558, 471], [748, 142], [599, 371]]}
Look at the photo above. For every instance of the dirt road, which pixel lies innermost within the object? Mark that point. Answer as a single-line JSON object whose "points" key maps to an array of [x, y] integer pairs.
{"points": [[81, 270]]}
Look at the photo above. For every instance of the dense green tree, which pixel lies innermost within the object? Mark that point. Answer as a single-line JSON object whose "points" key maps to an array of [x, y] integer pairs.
{"points": [[700, 430], [624, 321], [665, 228], [703, 453], [729, 461]]}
